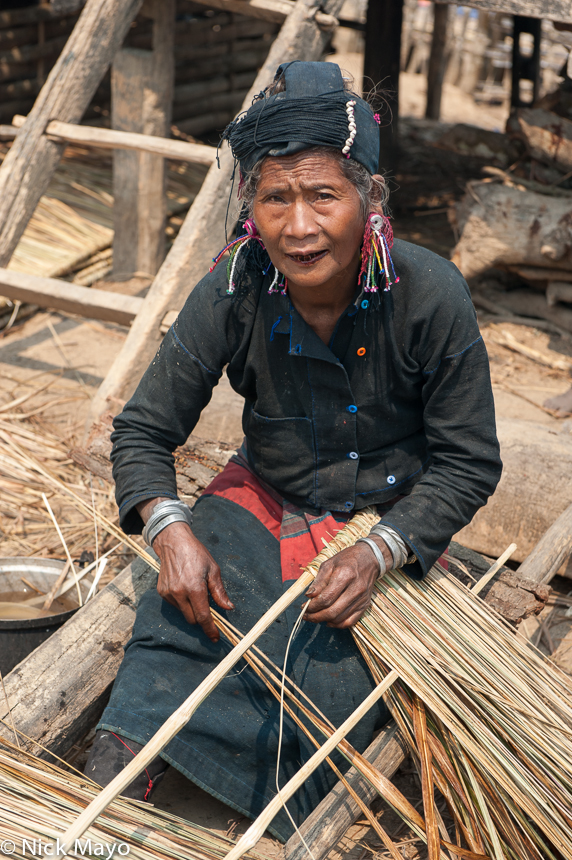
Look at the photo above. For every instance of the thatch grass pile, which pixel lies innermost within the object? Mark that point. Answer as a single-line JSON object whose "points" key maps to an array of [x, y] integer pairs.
{"points": [[38, 801], [73, 221]]}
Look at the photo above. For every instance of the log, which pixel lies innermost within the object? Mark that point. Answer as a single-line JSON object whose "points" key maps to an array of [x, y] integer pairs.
{"points": [[534, 490], [559, 291], [325, 826], [221, 102], [28, 167], [531, 303], [547, 136], [202, 232], [437, 61], [31, 53], [107, 138], [552, 10], [54, 699], [265, 10], [141, 100], [502, 226], [33, 14], [551, 552], [186, 93], [70, 298]]}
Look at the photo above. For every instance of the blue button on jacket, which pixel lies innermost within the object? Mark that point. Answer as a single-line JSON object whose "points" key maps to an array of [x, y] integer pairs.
{"points": [[424, 426]]}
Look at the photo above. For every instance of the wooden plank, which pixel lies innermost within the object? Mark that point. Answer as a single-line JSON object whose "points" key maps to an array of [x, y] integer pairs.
{"points": [[266, 10], [29, 165], [56, 699], [551, 551], [325, 826], [70, 298], [107, 138], [437, 61], [202, 233], [32, 15], [551, 10]]}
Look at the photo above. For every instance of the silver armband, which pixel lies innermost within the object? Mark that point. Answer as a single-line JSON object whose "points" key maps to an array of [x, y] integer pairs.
{"points": [[398, 548], [377, 553], [163, 515]]}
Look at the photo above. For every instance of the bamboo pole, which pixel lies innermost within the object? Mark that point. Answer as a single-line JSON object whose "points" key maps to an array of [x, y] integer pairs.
{"points": [[181, 716], [257, 828]]}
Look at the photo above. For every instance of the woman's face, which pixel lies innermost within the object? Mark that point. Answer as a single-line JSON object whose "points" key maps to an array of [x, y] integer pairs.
{"points": [[309, 218]]}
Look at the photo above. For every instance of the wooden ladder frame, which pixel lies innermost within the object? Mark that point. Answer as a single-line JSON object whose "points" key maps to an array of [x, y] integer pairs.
{"points": [[40, 140]]}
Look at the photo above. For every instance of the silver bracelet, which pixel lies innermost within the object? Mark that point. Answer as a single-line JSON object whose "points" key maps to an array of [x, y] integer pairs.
{"points": [[163, 515], [398, 548], [377, 553]]}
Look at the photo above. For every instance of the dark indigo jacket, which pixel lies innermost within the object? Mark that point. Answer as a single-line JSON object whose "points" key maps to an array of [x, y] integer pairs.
{"points": [[326, 426]]}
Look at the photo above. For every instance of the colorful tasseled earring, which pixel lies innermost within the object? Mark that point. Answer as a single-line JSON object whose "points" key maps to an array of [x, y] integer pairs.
{"points": [[375, 257], [235, 247]]}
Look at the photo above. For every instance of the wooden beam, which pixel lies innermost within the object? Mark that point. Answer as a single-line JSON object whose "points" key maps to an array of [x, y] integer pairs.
{"points": [[107, 138], [551, 551], [202, 233], [325, 826], [268, 10], [141, 101], [70, 298], [437, 60], [55, 698], [552, 10], [265, 10], [30, 164]]}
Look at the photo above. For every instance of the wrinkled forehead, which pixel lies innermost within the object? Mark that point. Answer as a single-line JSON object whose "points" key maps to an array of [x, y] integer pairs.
{"points": [[307, 166]]}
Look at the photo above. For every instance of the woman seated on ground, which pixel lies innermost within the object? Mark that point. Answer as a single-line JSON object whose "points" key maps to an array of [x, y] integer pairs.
{"points": [[365, 381]]}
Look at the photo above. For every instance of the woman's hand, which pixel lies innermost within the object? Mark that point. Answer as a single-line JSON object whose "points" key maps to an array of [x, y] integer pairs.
{"points": [[188, 573], [341, 592]]}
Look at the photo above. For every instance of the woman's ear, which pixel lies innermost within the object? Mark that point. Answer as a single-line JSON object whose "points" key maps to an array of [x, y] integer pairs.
{"points": [[379, 180]]}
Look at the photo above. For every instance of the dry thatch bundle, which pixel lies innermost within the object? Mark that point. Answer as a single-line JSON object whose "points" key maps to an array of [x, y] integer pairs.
{"points": [[34, 460], [74, 219], [487, 717], [38, 802]]}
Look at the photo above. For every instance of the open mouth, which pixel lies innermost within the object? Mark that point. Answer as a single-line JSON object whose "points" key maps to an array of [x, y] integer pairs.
{"points": [[307, 259]]}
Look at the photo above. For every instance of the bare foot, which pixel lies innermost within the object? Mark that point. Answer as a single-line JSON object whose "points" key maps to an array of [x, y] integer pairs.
{"points": [[562, 402]]}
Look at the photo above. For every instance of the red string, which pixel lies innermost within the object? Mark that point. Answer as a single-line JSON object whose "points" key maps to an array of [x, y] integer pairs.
{"points": [[150, 786]]}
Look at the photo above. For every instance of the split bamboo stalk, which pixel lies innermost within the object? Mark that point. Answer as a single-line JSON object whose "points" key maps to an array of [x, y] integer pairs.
{"points": [[182, 715], [257, 828]]}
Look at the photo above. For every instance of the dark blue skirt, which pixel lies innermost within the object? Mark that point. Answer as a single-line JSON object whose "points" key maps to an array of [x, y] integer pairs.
{"points": [[229, 746]]}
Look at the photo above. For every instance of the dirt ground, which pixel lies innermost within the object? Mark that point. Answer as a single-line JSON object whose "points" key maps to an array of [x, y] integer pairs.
{"points": [[64, 359]]}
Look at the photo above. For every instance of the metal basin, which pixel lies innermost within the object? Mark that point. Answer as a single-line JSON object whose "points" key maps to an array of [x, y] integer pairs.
{"points": [[18, 637]]}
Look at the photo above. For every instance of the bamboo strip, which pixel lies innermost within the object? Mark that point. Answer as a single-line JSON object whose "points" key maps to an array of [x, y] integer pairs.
{"points": [[249, 839]]}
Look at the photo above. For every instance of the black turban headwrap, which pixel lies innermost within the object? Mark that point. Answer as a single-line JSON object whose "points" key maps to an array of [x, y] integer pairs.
{"points": [[313, 110]]}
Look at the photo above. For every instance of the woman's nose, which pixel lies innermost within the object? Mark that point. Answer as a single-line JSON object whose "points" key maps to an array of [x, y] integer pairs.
{"points": [[301, 222]]}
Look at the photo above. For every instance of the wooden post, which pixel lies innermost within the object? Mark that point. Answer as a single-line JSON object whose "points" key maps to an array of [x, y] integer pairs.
{"points": [[141, 101], [27, 169], [437, 60], [382, 61], [551, 551], [202, 233]]}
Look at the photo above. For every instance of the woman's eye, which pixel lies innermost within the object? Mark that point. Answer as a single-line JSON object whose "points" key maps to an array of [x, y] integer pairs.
{"points": [[325, 195]]}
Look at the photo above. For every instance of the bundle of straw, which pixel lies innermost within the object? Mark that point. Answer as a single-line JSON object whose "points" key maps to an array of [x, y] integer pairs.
{"points": [[35, 460], [39, 801], [74, 219]]}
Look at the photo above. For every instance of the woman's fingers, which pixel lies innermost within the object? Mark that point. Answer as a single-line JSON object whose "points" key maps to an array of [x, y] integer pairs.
{"points": [[342, 589], [217, 589]]}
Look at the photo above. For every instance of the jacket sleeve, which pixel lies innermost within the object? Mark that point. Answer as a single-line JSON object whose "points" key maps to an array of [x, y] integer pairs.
{"points": [[459, 424], [168, 401]]}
